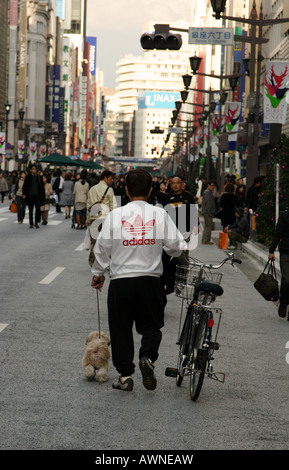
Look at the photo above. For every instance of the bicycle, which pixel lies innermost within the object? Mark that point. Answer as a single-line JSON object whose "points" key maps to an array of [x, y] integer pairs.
{"points": [[199, 287]]}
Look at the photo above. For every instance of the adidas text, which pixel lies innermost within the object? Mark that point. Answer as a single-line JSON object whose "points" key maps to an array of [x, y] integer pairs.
{"points": [[140, 241]]}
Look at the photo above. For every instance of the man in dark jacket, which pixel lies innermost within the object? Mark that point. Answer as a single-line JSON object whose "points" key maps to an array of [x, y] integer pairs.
{"points": [[239, 231], [281, 238], [34, 194], [252, 196]]}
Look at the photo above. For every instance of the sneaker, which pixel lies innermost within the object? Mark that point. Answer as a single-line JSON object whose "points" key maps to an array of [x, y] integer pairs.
{"points": [[148, 376], [232, 247], [121, 384], [36, 226], [282, 310], [207, 243]]}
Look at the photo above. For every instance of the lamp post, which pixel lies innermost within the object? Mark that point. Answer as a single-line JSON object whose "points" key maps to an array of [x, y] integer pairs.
{"points": [[218, 7], [195, 63]]}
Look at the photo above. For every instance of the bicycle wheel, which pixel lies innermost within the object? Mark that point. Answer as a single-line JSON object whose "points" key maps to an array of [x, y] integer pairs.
{"points": [[200, 358], [185, 340]]}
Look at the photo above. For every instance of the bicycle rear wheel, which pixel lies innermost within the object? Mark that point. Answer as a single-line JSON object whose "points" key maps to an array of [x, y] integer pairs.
{"points": [[185, 340], [200, 358]]}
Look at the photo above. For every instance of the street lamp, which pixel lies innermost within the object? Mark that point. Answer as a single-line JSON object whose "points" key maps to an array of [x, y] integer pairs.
{"points": [[218, 7]]}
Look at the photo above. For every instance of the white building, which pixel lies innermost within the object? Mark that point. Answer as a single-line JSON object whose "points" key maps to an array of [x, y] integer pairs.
{"points": [[156, 71]]}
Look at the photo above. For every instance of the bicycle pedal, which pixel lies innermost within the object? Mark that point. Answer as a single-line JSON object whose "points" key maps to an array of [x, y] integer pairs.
{"points": [[214, 345], [171, 372]]}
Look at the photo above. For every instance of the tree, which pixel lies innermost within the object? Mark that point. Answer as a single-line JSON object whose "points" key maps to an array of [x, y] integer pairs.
{"points": [[265, 215]]}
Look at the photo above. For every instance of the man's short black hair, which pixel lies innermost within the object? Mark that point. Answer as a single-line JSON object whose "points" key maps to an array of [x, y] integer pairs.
{"points": [[138, 183], [106, 174]]}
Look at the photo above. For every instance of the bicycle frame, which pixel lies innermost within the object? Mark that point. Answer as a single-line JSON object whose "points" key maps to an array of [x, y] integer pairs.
{"points": [[197, 340]]}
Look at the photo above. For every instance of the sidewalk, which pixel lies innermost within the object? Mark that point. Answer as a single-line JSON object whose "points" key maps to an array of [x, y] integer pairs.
{"points": [[251, 248]]}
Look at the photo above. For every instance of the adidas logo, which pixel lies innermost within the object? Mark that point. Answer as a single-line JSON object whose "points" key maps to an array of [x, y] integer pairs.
{"points": [[138, 229], [139, 241]]}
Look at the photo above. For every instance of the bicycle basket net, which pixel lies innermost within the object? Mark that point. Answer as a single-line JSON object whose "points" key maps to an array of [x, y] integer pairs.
{"points": [[187, 277]]}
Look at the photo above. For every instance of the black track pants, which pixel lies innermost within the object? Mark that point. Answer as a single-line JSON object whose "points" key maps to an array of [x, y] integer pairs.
{"points": [[136, 300]]}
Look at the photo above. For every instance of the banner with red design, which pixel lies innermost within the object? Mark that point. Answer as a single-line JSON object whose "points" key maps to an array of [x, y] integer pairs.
{"points": [[232, 118], [275, 91]]}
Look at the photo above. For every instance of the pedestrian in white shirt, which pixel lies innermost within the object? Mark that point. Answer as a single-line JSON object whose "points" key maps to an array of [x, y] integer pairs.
{"points": [[130, 245]]}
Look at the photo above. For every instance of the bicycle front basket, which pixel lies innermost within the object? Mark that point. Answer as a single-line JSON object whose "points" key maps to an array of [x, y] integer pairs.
{"points": [[185, 280], [187, 277]]}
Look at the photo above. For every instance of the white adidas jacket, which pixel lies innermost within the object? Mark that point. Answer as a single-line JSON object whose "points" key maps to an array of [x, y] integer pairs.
{"points": [[131, 241]]}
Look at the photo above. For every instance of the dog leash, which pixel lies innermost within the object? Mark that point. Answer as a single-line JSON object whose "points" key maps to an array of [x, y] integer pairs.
{"points": [[97, 301]]}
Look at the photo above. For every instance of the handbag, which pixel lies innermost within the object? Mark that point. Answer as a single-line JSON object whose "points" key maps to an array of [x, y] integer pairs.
{"points": [[13, 206], [50, 200], [267, 284], [223, 241]]}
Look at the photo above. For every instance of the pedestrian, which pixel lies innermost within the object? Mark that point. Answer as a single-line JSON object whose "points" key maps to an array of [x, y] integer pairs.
{"points": [[67, 198], [81, 189], [240, 192], [130, 244], [9, 180], [239, 231], [281, 238], [253, 194], [3, 186], [228, 204], [162, 196], [179, 198], [34, 195], [48, 193], [57, 188], [100, 201], [21, 204], [208, 210]]}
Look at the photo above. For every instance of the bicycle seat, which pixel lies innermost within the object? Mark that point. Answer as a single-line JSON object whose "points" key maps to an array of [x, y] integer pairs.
{"points": [[209, 288]]}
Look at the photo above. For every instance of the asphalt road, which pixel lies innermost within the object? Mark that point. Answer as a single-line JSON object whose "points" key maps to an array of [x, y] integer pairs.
{"points": [[46, 401]]}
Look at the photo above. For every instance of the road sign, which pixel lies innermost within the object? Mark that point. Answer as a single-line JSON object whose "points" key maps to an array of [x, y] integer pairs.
{"points": [[216, 36], [175, 130], [37, 130]]}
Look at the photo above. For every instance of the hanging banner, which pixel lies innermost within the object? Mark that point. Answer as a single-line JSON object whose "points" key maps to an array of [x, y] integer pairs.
{"points": [[232, 118], [42, 151], [275, 91], [200, 137], [2, 143], [33, 150], [21, 148]]}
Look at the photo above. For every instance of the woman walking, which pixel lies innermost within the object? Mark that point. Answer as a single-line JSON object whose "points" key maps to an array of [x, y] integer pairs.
{"points": [[67, 194], [46, 207], [21, 204], [81, 189]]}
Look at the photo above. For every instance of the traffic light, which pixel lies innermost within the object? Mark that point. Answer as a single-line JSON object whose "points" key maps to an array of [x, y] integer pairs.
{"points": [[157, 130], [161, 39]]}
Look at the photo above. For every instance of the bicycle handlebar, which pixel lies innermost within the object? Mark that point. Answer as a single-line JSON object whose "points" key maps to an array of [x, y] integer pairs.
{"points": [[230, 258]]}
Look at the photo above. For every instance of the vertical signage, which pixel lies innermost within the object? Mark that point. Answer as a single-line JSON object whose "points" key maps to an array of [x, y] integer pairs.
{"points": [[92, 54], [23, 52]]}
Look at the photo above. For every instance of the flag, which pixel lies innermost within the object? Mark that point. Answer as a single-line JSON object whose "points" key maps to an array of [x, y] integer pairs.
{"points": [[33, 150], [275, 92], [2, 143], [232, 118], [21, 148]]}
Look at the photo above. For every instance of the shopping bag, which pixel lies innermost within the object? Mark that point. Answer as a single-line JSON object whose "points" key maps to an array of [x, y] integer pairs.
{"points": [[223, 241], [13, 206], [267, 283]]}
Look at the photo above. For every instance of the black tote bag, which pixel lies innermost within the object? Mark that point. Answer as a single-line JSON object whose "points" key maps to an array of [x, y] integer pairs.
{"points": [[267, 284]]}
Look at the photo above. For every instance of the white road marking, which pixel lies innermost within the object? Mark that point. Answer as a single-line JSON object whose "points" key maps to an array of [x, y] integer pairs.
{"points": [[3, 326], [51, 276], [80, 247]]}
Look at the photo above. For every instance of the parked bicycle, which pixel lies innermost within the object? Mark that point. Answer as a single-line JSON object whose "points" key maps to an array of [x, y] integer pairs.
{"points": [[198, 287]]}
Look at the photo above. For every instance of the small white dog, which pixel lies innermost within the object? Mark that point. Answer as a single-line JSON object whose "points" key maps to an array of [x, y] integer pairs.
{"points": [[96, 356]]}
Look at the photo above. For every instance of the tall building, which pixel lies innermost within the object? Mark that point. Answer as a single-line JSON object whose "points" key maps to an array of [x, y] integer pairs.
{"points": [[3, 57], [154, 72]]}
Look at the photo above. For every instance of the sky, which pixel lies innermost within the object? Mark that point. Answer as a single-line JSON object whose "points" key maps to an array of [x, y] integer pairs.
{"points": [[118, 25]]}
